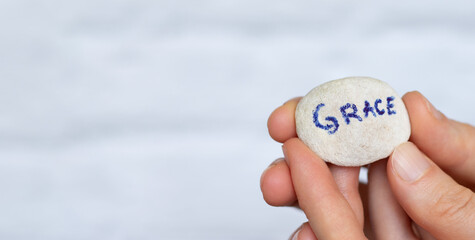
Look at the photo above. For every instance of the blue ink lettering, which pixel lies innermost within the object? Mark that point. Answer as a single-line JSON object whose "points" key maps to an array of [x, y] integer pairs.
{"points": [[376, 103], [367, 109], [390, 105], [335, 124], [347, 116]]}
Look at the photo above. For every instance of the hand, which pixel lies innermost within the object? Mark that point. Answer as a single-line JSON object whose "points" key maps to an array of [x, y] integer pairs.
{"points": [[450, 145]]}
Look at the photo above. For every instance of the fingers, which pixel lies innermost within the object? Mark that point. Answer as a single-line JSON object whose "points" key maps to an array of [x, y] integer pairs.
{"points": [[388, 219], [429, 196], [304, 232], [450, 144], [329, 214], [281, 123], [276, 184]]}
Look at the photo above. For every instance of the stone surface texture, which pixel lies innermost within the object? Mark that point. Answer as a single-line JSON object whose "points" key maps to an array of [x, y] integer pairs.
{"points": [[341, 138]]}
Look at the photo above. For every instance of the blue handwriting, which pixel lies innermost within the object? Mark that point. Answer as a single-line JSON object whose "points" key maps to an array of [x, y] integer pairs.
{"points": [[351, 111]]}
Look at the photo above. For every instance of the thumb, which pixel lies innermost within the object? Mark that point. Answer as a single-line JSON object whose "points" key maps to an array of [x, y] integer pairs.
{"points": [[429, 196]]}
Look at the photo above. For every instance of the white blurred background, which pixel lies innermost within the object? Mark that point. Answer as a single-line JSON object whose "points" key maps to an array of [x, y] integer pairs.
{"points": [[140, 119]]}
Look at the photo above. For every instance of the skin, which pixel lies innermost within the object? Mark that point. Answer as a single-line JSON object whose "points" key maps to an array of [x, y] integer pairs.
{"points": [[438, 204]]}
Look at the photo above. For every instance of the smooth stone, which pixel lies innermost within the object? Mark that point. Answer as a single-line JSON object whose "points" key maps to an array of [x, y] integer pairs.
{"points": [[352, 121]]}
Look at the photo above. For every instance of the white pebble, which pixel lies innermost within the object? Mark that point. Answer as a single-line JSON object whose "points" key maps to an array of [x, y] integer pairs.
{"points": [[352, 121]]}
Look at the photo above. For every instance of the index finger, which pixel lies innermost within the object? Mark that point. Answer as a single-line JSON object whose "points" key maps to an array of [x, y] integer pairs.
{"points": [[328, 212]]}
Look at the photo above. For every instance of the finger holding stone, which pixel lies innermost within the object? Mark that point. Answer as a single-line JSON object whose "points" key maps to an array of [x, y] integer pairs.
{"points": [[281, 123], [450, 144], [429, 196], [276, 185], [329, 214]]}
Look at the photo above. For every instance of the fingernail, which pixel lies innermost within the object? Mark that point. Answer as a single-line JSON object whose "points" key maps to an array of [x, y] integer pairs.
{"points": [[436, 113], [408, 162], [296, 235]]}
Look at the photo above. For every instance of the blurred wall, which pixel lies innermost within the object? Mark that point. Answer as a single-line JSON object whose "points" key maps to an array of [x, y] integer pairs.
{"points": [[147, 119]]}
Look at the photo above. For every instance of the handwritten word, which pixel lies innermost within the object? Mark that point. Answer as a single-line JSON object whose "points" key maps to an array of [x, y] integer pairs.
{"points": [[351, 111]]}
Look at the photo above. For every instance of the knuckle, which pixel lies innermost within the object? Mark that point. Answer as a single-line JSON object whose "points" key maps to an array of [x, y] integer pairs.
{"points": [[454, 205]]}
